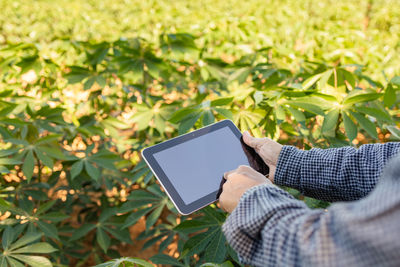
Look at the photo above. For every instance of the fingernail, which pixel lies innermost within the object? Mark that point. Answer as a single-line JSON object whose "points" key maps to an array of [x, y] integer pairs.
{"points": [[247, 133]]}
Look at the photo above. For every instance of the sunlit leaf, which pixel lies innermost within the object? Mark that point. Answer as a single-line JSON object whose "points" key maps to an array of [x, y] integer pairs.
{"points": [[330, 121], [366, 124], [350, 127], [28, 165]]}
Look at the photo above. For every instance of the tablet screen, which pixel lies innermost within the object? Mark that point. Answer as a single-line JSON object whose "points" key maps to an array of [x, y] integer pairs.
{"points": [[195, 167]]}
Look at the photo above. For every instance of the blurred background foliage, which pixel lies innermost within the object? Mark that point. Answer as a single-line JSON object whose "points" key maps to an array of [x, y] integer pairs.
{"points": [[85, 85]]}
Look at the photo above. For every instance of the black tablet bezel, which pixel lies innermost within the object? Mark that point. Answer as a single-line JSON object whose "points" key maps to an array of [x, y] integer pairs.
{"points": [[148, 153]]}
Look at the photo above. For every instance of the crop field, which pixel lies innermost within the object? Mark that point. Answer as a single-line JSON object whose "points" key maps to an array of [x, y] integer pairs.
{"points": [[355, 32], [86, 85]]}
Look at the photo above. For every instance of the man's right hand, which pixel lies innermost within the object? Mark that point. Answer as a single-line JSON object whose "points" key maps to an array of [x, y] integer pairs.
{"points": [[268, 150]]}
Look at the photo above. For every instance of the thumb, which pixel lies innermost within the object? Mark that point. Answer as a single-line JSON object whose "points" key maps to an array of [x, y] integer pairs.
{"points": [[253, 141]]}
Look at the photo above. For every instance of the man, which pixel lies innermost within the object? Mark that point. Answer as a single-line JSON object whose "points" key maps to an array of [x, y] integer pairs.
{"points": [[268, 227]]}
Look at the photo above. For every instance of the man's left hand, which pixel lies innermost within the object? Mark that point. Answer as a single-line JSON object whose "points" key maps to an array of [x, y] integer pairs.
{"points": [[237, 182]]}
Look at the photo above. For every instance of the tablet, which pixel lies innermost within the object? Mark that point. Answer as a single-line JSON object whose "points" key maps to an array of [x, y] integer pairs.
{"points": [[191, 167]]}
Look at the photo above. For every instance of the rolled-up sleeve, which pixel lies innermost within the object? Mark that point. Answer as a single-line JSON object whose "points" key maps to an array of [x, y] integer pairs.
{"points": [[271, 228], [336, 174]]}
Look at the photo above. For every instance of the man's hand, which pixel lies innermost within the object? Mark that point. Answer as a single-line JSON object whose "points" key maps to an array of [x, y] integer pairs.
{"points": [[268, 150], [237, 182]]}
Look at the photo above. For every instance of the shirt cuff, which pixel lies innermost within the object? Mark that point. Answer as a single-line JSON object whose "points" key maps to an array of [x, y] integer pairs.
{"points": [[288, 167]]}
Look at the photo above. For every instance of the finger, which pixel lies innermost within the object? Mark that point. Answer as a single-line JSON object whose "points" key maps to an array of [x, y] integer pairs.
{"points": [[222, 201], [244, 169], [253, 141], [229, 173]]}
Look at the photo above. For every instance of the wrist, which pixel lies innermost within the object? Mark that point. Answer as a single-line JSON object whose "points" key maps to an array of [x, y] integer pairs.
{"points": [[287, 172]]}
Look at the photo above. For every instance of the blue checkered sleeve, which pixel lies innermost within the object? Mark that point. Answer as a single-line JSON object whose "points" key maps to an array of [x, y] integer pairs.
{"points": [[336, 174], [271, 228]]}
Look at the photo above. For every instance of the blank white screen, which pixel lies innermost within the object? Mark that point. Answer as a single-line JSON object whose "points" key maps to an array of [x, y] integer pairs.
{"points": [[195, 168]]}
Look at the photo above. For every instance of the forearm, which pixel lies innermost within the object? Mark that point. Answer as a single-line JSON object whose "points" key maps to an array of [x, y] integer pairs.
{"points": [[337, 174], [271, 228]]}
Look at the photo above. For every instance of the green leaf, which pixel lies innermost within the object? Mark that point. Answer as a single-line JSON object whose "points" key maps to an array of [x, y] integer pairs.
{"points": [[150, 242], [36, 248], [330, 122], [394, 131], [34, 261], [366, 124], [134, 217], [120, 234], [167, 241], [55, 216], [188, 123], [105, 161], [4, 170], [225, 113], [163, 259], [152, 69], [350, 127], [178, 116], [240, 75], [45, 207], [258, 97], [143, 195], [159, 123], [26, 239], [8, 152], [9, 161], [215, 215], [297, 114], [190, 226], [114, 122], [81, 231], [216, 251], [395, 80], [311, 81], [360, 98], [139, 173], [52, 152], [153, 216], [307, 106], [93, 172], [197, 243], [221, 101], [89, 83], [48, 229], [47, 139], [101, 81], [106, 214], [280, 113], [77, 74], [324, 78], [142, 119], [389, 98], [12, 262], [7, 110], [208, 117], [8, 237], [103, 239], [374, 112], [76, 169], [225, 264], [29, 164], [44, 158], [126, 262]]}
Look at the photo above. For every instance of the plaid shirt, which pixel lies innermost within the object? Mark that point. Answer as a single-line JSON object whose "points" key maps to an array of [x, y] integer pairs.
{"points": [[271, 228]]}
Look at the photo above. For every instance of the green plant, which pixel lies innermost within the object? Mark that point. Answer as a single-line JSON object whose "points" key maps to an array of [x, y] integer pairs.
{"points": [[125, 262], [18, 253], [74, 116]]}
